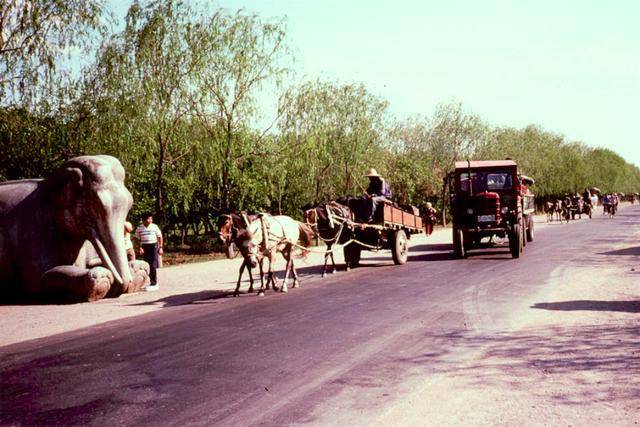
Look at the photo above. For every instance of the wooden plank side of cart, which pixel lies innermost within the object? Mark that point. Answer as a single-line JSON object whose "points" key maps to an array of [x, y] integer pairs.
{"points": [[398, 218]]}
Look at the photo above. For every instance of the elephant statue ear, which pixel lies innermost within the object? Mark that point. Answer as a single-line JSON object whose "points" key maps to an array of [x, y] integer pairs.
{"points": [[64, 186]]}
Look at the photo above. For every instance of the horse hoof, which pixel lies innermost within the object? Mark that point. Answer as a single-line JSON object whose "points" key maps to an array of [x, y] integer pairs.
{"points": [[284, 290], [236, 294], [334, 272], [296, 284], [323, 275], [261, 293]]}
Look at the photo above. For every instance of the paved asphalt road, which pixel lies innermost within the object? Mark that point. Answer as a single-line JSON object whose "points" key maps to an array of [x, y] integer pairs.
{"points": [[279, 359]]}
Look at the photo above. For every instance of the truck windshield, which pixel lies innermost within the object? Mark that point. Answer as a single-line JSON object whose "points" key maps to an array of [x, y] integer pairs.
{"points": [[486, 181]]}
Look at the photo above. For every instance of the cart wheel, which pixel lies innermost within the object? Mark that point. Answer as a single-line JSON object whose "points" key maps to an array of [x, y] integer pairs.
{"points": [[352, 255], [530, 230], [458, 243], [399, 247], [515, 241]]}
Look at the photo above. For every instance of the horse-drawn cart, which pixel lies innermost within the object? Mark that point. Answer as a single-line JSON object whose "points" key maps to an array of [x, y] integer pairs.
{"points": [[391, 229]]}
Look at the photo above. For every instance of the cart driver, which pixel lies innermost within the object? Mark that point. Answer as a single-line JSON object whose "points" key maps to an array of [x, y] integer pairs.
{"points": [[377, 193]]}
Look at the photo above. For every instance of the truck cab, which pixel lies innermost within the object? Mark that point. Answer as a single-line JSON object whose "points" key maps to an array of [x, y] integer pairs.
{"points": [[490, 198]]}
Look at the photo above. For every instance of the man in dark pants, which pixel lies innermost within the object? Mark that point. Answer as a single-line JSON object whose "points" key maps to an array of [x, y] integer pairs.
{"points": [[377, 192], [150, 238]]}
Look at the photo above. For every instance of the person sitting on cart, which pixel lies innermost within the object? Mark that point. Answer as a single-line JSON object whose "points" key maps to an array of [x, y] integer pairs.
{"points": [[376, 194]]}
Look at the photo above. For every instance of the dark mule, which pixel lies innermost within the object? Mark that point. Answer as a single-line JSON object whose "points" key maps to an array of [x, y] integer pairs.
{"points": [[232, 229], [331, 222]]}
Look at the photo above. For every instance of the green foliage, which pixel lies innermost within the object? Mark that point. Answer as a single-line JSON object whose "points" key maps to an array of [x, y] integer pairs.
{"points": [[34, 34], [174, 96], [332, 133], [559, 166]]}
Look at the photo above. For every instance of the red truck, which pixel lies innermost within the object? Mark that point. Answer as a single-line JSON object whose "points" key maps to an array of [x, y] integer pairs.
{"points": [[490, 198]]}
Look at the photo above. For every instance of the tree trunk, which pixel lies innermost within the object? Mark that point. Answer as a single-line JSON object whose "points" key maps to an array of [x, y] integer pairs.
{"points": [[445, 184], [347, 179], [226, 166], [159, 182]]}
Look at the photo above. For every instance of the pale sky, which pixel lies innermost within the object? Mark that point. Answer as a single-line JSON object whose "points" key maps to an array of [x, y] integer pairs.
{"points": [[572, 67]]}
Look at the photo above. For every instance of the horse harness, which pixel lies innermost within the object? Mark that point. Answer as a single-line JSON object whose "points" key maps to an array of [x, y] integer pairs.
{"points": [[333, 219], [267, 234]]}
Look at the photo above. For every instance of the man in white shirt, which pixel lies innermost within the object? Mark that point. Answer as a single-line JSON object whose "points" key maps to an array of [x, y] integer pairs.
{"points": [[150, 238]]}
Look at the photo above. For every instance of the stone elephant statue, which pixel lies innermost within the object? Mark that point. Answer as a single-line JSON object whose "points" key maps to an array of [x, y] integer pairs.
{"points": [[61, 238]]}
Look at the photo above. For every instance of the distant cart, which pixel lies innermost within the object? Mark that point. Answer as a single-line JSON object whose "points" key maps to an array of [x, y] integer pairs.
{"points": [[392, 230]]}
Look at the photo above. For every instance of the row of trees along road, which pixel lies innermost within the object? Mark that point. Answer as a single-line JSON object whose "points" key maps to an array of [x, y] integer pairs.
{"points": [[176, 95]]}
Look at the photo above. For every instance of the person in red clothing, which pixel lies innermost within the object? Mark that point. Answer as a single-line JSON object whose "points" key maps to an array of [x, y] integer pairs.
{"points": [[429, 217]]}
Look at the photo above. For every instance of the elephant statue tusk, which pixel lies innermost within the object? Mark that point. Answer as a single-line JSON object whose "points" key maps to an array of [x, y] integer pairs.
{"points": [[104, 256]]}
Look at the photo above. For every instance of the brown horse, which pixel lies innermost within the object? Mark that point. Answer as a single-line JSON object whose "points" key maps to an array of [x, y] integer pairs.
{"points": [[267, 236], [331, 223], [231, 230]]}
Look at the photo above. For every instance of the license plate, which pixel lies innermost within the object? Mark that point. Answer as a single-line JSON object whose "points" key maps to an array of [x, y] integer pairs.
{"points": [[486, 218]]}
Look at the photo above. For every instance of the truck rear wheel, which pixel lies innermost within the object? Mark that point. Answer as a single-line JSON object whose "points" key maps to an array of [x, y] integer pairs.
{"points": [[399, 247], [515, 241], [458, 243], [529, 229]]}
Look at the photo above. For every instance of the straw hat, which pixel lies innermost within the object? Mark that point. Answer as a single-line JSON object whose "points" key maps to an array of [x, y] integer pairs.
{"points": [[372, 172]]}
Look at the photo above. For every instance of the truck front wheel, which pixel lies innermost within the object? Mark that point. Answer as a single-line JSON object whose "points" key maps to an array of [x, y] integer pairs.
{"points": [[515, 241], [458, 243]]}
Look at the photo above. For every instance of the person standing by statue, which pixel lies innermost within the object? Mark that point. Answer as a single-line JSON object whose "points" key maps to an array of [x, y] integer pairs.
{"points": [[128, 244], [150, 238], [377, 192]]}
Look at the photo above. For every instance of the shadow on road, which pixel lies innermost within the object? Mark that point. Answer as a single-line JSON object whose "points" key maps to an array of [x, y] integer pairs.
{"points": [[432, 247], [435, 256], [190, 298], [184, 299], [587, 305], [633, 250]]}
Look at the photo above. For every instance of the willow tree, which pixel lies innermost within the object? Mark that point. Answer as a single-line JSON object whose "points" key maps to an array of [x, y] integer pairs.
{"points": [[455, 135], [234, 57], [34, 36], [140, 81], [333, 131], [411, 167]]}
